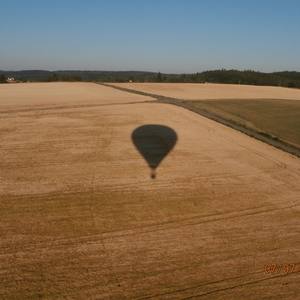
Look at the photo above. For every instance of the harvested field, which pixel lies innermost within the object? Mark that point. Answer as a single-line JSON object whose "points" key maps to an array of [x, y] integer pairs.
{"points": [[81, 218], [273, 121], [198, 91], [280, 119], [60, 94]]}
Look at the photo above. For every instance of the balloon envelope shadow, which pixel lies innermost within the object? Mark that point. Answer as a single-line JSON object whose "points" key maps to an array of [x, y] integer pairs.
{"points": [[154, 142]]}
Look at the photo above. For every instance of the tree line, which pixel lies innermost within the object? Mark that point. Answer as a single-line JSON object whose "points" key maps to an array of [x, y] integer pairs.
{"points": [[2, 79], [285, 79]]}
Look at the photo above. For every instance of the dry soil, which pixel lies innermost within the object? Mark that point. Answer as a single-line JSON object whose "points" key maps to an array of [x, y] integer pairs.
{"points": [[80, 217]]}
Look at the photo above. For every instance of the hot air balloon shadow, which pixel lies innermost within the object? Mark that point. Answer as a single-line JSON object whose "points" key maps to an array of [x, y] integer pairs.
{"points": [[154, 142]]}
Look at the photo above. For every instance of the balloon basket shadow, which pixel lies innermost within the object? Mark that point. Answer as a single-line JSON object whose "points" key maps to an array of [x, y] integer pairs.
{"points": [[153, 174]]}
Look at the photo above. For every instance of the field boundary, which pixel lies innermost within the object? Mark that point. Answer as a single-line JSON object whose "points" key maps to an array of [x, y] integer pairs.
{"points": [[259, 135]]}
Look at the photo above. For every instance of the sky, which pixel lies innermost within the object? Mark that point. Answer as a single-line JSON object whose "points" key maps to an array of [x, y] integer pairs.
{"points": [[174, 36]]}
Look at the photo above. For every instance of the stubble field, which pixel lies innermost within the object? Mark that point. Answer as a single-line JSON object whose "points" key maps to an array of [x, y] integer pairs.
{"points": [[271, 114], [80, 216], [206, 91]]}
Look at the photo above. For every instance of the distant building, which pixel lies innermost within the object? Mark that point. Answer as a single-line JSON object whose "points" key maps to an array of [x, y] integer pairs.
{"points": [[10, 80]]}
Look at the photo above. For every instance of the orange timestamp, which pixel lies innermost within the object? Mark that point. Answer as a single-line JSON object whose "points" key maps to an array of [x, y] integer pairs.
{"points": [[279, 268]]}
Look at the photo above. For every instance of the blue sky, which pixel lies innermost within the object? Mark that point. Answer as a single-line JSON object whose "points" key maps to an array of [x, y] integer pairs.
{"points": [[155, 35]]}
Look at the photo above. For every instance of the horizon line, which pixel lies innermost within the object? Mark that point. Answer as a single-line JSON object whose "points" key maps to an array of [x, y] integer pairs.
{"points": [[144, 71]]}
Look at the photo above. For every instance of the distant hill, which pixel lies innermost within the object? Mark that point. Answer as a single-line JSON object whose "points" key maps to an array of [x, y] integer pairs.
{"points": [[285, 79]]}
